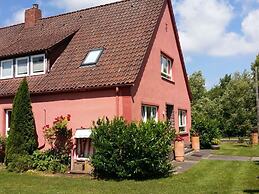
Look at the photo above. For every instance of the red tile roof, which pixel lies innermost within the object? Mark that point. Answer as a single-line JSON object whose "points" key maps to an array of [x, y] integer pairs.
{"points": [[124, 29]]}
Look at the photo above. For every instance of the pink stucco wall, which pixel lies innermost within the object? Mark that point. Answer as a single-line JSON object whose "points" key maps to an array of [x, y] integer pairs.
{"points": [[152, 89], [84, 108]]}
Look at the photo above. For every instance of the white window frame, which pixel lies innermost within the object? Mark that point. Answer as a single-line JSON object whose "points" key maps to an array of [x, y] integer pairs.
{"points": [[44, 64], [97, 59], [7, 128], [145, 114], [6, 77], [166, 75], [16, 66], [184, 125]]}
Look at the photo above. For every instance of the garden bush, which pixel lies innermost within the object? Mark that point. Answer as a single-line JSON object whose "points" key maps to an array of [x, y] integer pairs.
{"points": [[51, 161], [131, 151], [20, 163]]}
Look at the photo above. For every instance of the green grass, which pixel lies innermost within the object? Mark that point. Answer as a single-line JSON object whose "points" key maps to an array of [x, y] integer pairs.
{"points": [[205, 177], [238, 150]]}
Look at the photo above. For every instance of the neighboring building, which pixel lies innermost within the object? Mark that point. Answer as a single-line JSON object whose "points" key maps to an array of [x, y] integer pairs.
{"points": [[122, 59]]}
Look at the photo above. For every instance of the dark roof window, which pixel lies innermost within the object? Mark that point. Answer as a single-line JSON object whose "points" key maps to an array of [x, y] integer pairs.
{"points": [[92, 57]]}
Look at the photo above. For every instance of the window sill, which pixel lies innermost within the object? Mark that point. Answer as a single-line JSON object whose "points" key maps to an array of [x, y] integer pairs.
{"points": [[168, 80], [183, 133]]}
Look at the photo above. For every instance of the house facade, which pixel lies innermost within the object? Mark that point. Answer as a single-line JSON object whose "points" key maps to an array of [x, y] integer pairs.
{"points": [[121, 59]]}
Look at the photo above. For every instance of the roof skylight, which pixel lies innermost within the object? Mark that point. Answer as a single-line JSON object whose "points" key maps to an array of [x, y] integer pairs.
{"points": [[92, 57]]}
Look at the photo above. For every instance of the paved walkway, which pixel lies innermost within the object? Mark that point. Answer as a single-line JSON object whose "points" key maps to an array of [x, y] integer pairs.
{"points": [[193, 158]]}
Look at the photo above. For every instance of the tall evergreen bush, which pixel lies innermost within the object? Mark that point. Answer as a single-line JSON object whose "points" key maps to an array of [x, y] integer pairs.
{"points": [[22, 137]]}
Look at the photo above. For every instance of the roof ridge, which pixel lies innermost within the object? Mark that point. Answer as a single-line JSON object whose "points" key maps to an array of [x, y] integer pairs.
{"points": [[85, 9], [11, 26], [71, 12]]}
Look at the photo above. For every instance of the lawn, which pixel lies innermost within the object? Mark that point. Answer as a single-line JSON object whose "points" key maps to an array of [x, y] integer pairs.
{"points": [[205, 177], [236, 149]]}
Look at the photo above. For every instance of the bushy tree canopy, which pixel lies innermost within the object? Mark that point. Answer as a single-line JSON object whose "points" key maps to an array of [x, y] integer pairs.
{"points": [[197, 84], [238, 104], [229, 107]]}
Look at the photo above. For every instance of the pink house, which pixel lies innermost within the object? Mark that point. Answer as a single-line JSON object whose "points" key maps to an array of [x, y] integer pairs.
{"points": [[121, 59]]}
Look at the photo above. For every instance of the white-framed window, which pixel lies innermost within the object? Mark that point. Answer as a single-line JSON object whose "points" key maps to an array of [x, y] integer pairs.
{"points": [[7, 69], [22, 67], [38, 64], [8, 114], [149, 112], [182, 114], [166, 67], [92, 57]]}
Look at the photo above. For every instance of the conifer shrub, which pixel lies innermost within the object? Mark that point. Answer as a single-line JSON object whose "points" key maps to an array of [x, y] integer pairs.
{"points": [[131, 151], [22, 137]]}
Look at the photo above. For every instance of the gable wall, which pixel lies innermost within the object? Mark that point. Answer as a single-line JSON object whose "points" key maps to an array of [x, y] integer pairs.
{"points": [[152, 89]]}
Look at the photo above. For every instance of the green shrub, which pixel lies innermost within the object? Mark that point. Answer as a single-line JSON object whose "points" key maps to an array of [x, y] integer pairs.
{"points": [[20, 163], [2, 149], [132, 151], [50, 161], [204, 121], [22, 137]]}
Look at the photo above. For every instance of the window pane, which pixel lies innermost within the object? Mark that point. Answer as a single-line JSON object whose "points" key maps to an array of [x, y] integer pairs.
{"points": [[22, 65], [166, 67], [149, 112], [7, 68], [9, 113], [182, 120], [93, 57], [38, 64], [143, 112], [154, 111]]}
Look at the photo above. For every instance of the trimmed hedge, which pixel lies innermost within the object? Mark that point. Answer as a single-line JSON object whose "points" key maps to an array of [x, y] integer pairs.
{"points": [[131, 151]]}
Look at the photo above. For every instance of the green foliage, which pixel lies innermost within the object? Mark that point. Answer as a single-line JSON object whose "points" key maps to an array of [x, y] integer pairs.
{"points": [[215, 141], [227, 109], [2, 149], [238, 104], [131, 150], [59, 136], [217, 91], [205, 114], [20, 163], [197, 84], [50, 161], [22, 137]]}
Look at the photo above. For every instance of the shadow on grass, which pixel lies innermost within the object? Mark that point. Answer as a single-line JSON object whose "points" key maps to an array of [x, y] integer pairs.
{"points": [[242, 145], [251, 191]]}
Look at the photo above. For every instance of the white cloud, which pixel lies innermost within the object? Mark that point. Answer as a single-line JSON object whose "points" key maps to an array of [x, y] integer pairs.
{"points": [[71, 5], [203, 28], [16, 17]]}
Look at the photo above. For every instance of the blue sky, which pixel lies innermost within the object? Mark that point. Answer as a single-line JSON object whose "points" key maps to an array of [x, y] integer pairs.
{"points": [[217, 36]]}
